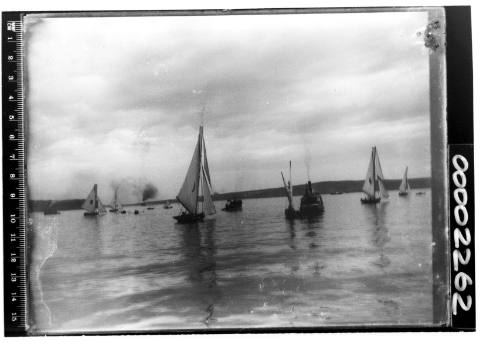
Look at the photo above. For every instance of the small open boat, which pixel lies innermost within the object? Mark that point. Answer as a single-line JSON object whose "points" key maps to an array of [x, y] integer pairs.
{"points": [[233, 205], [374, 181]]}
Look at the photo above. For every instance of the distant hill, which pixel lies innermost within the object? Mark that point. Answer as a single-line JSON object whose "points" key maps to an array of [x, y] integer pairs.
{"points": [[59, 205], [326, 187]]}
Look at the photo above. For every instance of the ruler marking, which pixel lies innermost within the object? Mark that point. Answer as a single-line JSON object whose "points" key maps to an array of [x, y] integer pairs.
{"points": [[15, 280]]}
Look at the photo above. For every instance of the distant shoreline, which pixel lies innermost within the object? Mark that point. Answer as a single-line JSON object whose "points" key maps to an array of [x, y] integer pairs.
{"points": [[325, 187]]}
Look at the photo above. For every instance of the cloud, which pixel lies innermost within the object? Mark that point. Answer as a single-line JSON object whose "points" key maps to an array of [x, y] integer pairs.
{"points": [[122, 96]]}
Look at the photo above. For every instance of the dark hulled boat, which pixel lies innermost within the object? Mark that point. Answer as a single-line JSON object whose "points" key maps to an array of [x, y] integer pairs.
{"points": [[233, 205], [311, 203], [186, 217]]}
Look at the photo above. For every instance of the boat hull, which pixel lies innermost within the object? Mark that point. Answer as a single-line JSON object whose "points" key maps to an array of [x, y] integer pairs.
{"points": [[233, 205], [312, 210], [92, 214], [189, 218], [403, 193], [370, 200], [232, 209], [115, 210]]}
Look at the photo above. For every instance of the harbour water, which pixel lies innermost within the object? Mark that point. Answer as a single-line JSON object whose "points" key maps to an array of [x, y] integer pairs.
{"points": [[356, 264]]}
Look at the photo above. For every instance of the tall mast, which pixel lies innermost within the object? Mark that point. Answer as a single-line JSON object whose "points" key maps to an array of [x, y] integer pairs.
{"points": [[406, 178], [200, 151], [374, 151], [290, 185], [96, 204]]}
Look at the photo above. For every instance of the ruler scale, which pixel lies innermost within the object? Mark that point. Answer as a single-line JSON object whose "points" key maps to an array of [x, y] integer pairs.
{"points": [[14, 166]]}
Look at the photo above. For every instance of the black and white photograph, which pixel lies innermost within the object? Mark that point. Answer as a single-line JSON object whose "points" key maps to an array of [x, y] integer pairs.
{"points": [[199, 171]]}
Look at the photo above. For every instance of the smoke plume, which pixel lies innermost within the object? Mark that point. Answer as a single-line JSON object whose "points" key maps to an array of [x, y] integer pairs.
{"points": [[307, 162], [149, 191]]}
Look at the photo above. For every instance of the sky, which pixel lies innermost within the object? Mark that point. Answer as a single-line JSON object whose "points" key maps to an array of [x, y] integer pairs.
{"points": [[118, 100]]}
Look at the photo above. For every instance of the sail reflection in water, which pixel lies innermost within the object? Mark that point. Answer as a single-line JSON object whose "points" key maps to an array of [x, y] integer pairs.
{"points": [[355, 264]]}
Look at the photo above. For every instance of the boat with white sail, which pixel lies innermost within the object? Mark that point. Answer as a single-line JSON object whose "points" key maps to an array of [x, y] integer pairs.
{"points": [[404, 188], [115, 204], [374, 181], [93, 204], [197, 179]]}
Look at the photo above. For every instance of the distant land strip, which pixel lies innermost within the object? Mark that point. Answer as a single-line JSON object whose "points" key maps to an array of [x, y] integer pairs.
{"points": [[326, 187]]}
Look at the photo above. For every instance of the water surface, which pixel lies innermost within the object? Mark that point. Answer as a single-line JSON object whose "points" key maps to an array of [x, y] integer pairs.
{"points": [[356, 264]]}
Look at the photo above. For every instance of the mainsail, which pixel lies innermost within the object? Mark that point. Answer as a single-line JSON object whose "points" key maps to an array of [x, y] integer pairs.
{"points": [[405, 186], [198, 169], [369, 185], [380, 176], [188, 195], [208, 204], [93, 203], [100, 206], [115, 204], [374, 175]]}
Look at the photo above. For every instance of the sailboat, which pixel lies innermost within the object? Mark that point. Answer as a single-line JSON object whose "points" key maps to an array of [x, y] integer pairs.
{"points": [[404, 188], [374, 181], [93, 204], [290, 211], [115, 204], [197, 174]]}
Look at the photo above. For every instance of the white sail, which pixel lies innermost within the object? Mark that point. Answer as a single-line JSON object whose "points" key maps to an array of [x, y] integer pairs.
{"points": [[188, 195], [100, 206], [91, 204], [369, 185], [379, 175], [404, 187], [205, 159], [208, 204], [383, 191], [115, 203]]}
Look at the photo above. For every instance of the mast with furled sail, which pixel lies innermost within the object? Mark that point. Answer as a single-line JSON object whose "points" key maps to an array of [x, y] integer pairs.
{"points": [[115, 204], [93, 204], [198, 174], [374, 181], [290, 212], [404, 188]]}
